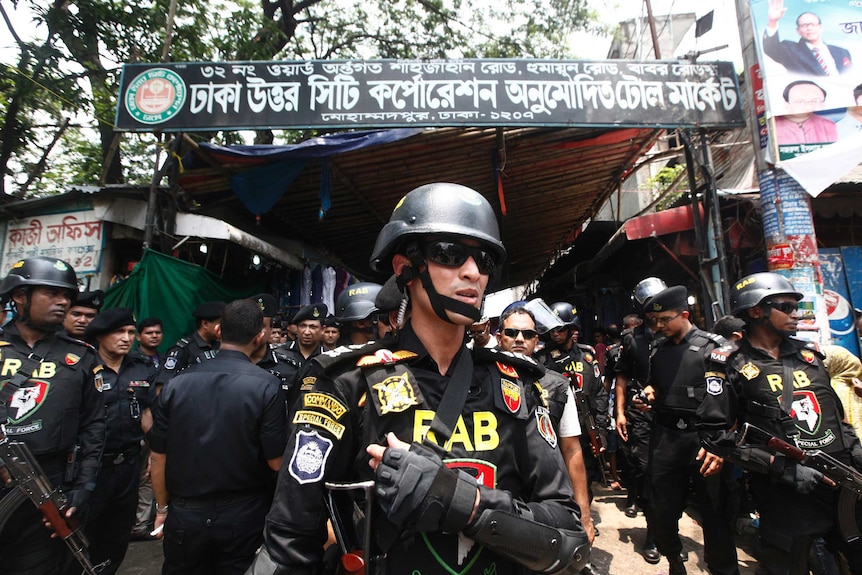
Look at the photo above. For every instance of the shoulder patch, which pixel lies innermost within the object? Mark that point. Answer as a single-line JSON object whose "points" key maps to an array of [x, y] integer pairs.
{"points": [[310, 453], [714, 383], [4, 343], [722, 354], [316, 419], [324, 402], [545, 427], [307, 383], [170, 363], [511, 395], [506, 370], [73, 359], [807, 355]]}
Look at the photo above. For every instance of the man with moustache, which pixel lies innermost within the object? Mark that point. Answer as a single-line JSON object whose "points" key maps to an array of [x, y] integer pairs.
{"points": [[455, 442], [83, 311], [48, 410]]}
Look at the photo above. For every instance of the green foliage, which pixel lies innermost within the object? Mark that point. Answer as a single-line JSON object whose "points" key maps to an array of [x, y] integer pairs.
{"points": [[76, 73], [662, 181]]}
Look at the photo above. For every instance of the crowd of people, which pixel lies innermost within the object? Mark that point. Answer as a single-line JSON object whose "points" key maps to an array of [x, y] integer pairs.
{"points": [[403, 431]]}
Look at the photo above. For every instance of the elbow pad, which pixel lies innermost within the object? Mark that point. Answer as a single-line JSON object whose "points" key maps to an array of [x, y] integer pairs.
{"points": [[536, 546]]}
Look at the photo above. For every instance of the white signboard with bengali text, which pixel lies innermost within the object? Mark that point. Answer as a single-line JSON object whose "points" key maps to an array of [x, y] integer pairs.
{"points": [[75, 237]]}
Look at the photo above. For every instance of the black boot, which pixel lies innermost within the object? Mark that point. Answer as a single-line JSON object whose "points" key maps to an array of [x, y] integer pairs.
{"points": [[676, 566]]}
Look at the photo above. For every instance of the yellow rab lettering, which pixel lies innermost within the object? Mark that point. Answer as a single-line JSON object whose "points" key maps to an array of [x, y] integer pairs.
{"points": [[484, 437], [800, 379], [46, 369]]}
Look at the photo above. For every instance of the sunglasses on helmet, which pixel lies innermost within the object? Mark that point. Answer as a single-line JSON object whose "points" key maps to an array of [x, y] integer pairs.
{"points": [[454, 254]]}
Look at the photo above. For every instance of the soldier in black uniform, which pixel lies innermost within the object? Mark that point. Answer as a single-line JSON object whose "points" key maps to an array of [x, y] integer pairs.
{"points": [[577, 362], [779, 384], [309, 335], [279, 361], [83, 311], [680, 372], [197, 347], [124, 379], [218, 437], [634, 427], [357, 314], [331, 332], [457, 442], [51, 411]]}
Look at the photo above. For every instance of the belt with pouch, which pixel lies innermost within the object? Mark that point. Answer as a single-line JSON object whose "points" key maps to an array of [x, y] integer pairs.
{"points": [[130, 454], [680, 422]]}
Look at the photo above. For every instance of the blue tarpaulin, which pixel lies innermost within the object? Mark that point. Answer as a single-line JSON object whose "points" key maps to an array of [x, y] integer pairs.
{"points": [[260, 187]]}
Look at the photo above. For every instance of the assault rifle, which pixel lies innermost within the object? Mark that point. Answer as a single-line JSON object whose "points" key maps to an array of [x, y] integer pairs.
{"points": [[836, 474], [30, 482], [591, 429]]}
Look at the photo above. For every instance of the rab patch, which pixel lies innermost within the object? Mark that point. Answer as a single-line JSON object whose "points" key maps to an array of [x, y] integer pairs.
{"points": [[750, 371], [483, 472], [395, 394], [309, 457], [511, 395], [546, 428], [72, 359], [27, 400], [714, 385], [807, 355]]}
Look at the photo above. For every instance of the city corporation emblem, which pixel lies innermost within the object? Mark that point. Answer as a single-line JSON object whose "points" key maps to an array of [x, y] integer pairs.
{"points": [[155, 96]]}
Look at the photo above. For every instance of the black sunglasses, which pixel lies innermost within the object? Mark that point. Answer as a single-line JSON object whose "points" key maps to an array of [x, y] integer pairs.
{"points": [[785, 307], [454, 254], [513, 333]]}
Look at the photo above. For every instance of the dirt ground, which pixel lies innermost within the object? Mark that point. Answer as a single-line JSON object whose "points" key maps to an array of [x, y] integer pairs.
{"points": [[616, 550]]}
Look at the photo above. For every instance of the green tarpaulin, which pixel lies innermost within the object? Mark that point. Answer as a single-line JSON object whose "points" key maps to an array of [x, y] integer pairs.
{"points": [[170, 289]]}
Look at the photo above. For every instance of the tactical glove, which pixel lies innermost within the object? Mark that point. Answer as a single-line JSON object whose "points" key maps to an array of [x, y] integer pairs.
{"points": [[803, 479], [418, 492]]}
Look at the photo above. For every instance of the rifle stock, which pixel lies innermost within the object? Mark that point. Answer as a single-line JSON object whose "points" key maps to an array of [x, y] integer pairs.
{"points": [[842, 476], [30, 479]]}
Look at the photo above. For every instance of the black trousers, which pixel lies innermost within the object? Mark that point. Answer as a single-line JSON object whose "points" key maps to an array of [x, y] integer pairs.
{"points": [[672, 469], [213, 537], [111, 513], [636, 453]]}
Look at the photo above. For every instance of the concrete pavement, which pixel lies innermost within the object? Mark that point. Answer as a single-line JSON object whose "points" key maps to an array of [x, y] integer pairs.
{"points": [[616, 550]]}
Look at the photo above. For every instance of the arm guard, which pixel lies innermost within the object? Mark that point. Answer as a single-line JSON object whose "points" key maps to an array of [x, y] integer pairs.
{"points": [[537, 547]]}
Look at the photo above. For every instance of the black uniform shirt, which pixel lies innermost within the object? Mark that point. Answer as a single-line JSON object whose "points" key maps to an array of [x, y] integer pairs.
{"points": [[503, 437], [126, 395], [754, 388], [61, 405], [218, 423], [187, 351], [633, 361]]}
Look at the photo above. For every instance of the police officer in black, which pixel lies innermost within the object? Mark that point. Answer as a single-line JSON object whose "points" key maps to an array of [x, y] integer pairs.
{"points": [[218, 437], [279, 361], [779, 384], [309, 335], [680, 372], [83, 311], [577, 361], [456, 442], [197, 347], [634, 427], [58, 412], [124, 379], [357, 314]]}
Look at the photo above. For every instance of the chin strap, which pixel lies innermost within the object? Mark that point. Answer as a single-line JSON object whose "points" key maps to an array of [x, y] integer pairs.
{"points": [[439, 303]]}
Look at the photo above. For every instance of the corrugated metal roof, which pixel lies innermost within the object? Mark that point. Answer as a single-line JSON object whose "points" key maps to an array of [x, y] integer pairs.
{"points": [[553, 181]]}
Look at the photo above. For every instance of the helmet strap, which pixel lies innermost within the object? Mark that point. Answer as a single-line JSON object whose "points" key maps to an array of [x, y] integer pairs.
{"points": [[439, 303]]}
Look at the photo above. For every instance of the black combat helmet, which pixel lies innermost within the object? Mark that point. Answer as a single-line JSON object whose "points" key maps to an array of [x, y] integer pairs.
{"points": [[751, 290], [646, 288], [567, 314], [446, 211], [356, 302], [438, 209], [39, 271]]}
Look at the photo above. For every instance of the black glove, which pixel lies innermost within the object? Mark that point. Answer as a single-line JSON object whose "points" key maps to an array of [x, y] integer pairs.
{"points": [[418, 492], [803, 479], [77, 498]]}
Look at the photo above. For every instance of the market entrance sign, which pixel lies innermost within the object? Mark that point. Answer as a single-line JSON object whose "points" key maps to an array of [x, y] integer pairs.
{"points": [[398, 93]]}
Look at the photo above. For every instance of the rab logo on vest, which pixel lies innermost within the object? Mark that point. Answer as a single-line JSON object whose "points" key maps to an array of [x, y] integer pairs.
{"points": [[511, 395], [27, 400]]}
